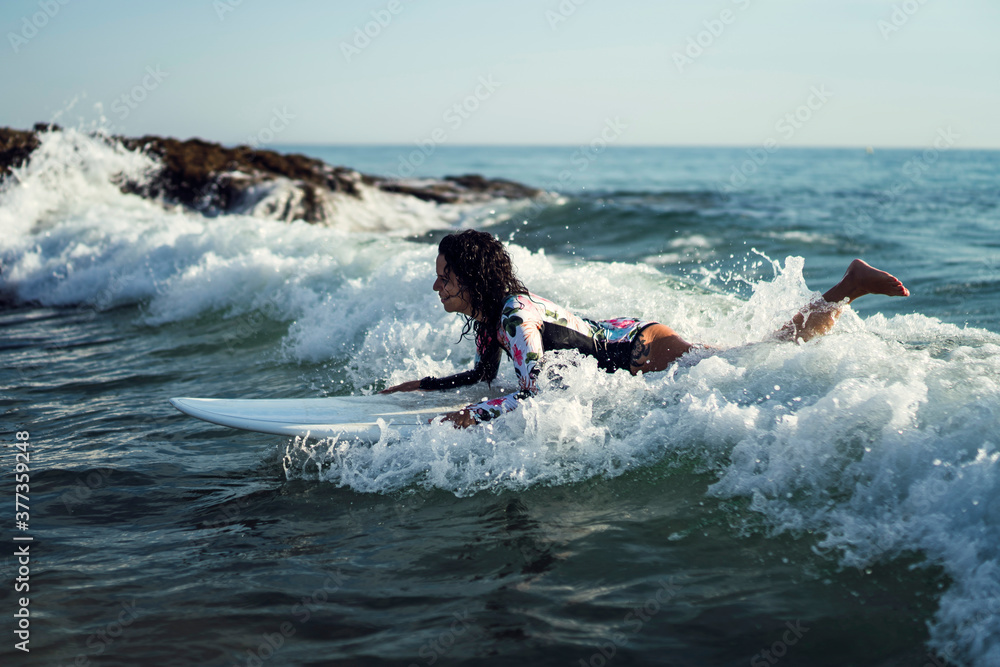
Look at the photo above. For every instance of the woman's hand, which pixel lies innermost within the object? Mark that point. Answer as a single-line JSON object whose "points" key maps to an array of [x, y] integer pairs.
{"points": [[460, 418], [412, 385]]}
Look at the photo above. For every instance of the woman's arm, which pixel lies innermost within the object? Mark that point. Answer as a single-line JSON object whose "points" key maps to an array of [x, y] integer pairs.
{"points": [[478, 373], [520, 332], [412, 385], [435, 384]]}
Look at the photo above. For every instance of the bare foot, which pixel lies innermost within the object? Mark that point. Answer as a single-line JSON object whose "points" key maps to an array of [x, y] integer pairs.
{"points": [[819, 316], [861, 279]]}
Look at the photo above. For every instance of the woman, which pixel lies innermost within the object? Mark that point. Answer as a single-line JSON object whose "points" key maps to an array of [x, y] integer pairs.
{"points": [[475, 277]]}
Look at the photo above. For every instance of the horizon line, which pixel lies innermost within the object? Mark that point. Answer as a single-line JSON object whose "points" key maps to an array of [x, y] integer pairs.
{"points": [[623, 145], [412, 143]]}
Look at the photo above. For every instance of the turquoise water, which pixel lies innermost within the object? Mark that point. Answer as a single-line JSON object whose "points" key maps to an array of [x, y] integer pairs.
{"points": [[833, 503]]}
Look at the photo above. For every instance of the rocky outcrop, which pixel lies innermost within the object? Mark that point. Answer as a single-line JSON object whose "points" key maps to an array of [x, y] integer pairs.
{"points": [[456, 189], [16, 147], [212, 179]]}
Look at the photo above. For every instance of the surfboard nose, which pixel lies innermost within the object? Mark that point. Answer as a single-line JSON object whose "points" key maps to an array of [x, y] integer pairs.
{"points": [[181, 403]]}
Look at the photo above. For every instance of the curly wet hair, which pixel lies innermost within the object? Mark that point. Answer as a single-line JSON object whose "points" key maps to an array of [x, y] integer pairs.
{"points": [[486, 272]]}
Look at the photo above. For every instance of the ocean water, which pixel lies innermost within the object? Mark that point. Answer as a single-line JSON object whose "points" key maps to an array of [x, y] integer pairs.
{"points": [[831, 503]]}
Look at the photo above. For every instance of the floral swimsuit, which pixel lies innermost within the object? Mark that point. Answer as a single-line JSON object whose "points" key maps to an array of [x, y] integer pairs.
{"points": [[529, 325]]}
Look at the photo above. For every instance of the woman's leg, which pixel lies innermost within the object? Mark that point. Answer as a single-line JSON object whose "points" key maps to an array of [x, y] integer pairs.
{"points": [[656, 347], [818, 317]]}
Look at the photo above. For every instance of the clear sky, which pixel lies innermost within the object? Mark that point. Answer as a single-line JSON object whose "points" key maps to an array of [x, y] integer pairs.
{"points": [[664, 72]]}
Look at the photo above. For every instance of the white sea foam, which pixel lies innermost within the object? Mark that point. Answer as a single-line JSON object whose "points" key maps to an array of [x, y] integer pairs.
{"points": [[72, 237], [881, 437], [68, 171], [804, 237]]}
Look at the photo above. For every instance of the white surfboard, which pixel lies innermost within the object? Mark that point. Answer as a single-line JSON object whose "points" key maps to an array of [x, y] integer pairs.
{"points": [[345, 416]]}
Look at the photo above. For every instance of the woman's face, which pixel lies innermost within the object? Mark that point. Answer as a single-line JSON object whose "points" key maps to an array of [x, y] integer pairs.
{"points": [[452, 294]]}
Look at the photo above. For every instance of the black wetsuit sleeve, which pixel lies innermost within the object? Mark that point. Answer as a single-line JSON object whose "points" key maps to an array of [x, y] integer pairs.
{"points": [[457, 380], [485, 369]]}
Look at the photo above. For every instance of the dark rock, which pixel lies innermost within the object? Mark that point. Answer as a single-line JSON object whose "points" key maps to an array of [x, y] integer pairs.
{"points": [[494, 187], [461, 189], [15, 148], [212, 179]]}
